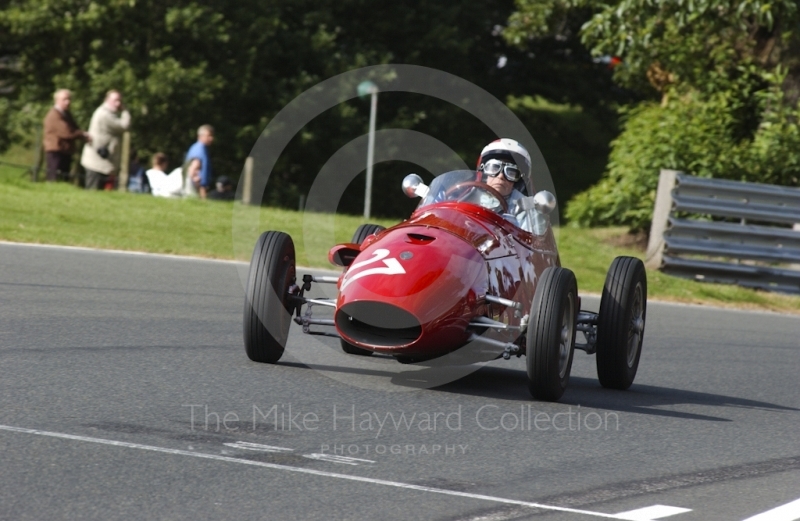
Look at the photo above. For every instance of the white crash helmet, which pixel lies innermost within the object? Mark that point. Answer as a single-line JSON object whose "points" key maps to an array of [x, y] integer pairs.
{"points": [[511, 150]]}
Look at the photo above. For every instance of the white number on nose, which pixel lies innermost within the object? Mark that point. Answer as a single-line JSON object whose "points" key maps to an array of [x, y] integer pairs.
{"points": [[391, 267]]}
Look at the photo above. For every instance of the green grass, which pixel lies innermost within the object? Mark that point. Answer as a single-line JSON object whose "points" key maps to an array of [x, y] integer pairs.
{"points": [[63, 214], [19, 155], [59, 213]]}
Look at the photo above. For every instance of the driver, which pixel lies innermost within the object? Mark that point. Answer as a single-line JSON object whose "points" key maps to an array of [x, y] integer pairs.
{"points": [[505, 165]]}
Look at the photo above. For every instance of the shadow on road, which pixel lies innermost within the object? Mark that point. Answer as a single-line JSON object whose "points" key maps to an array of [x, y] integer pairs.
{"points": [[511, 384]]}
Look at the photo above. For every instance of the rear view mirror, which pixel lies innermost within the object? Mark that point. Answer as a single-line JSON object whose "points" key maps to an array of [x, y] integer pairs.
{"points": [[544, 202], [414, 187]]}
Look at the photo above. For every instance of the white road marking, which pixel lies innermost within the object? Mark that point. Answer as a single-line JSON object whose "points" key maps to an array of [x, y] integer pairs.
{"points": [[123, 252], [333, 458], [787, 512], [169, 256], [499, 516], [300, 470], [652, 512], [255, 446]]}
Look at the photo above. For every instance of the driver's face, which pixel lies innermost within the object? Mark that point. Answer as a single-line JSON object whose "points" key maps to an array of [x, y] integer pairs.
{"points": [[501, 184]]}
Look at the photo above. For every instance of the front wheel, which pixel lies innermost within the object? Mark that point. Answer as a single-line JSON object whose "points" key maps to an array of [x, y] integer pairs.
{"points": [[620, 325], [551, 333], [267, 305], [364, 231]]}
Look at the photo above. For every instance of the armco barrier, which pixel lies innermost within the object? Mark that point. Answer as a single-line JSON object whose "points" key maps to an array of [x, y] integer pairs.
{"points": [[764, 255]]}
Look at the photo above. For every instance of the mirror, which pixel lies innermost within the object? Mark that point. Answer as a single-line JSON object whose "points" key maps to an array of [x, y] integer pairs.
{"points": [[544, 202], [414, 187]]}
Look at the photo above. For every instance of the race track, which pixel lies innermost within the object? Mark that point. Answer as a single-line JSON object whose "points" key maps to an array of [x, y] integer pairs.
{"points": [[125, 393]]}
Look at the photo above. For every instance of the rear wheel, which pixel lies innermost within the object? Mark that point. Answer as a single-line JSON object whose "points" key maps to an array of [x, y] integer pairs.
{"points": [[551, 333], [267, 305], [620, 326], [362, 232]]}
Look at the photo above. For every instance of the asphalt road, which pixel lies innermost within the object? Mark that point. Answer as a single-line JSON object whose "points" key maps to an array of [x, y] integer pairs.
{"points": [[125, 393]]}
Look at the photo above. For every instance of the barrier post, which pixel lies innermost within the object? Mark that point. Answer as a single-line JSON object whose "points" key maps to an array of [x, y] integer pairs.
{"points": [[125, 162], [663, 205], [247, 179]]}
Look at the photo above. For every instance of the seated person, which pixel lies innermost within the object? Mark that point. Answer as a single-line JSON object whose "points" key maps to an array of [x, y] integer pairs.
{"points": [[162, 184], [505, 165], [137, 180], [189, 181], [224, 190]]}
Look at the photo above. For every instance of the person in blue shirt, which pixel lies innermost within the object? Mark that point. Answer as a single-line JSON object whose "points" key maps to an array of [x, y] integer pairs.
{"points": [[198, 163]]}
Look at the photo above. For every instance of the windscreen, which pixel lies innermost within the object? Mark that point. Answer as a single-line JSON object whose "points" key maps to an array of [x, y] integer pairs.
{"points": [[439, 187]]}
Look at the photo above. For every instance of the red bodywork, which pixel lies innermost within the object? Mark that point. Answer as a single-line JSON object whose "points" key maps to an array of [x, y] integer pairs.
{"points": [[413, 289]]}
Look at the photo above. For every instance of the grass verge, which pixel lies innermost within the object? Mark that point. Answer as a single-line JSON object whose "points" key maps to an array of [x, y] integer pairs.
{"points": [[58, 213]]}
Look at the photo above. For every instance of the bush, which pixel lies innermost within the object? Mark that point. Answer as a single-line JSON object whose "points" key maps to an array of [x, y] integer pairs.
{"points": [[696, 136]]}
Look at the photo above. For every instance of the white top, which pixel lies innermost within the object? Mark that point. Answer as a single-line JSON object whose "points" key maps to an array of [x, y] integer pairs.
{"points": [[165, 185]]}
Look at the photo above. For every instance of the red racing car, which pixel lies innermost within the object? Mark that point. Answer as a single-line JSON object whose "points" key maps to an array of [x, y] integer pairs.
{"points": [[464, 279]]}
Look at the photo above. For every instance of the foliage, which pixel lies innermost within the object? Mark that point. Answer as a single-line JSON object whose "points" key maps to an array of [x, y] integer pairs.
{"points": [[702, 43], [727, 73], [182, 63], [648, 143], [706, 144], [573, 140], [548, 32]]}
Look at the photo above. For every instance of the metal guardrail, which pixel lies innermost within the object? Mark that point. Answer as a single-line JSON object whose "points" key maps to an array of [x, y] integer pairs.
{"points": [[764, 255]]}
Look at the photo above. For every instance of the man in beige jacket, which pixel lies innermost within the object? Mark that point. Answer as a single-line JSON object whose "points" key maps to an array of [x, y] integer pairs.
{"points": [[109, 122]]}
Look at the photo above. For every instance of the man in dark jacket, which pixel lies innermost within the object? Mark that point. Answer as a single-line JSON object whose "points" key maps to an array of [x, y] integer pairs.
{"points": [[60, 133]]}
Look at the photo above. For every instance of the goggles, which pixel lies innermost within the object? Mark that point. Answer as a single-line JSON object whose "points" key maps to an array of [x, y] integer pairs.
{"points": [[493, 167]]}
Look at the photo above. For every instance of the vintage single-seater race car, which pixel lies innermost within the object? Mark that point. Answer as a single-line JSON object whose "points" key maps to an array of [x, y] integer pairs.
{"points": [[464, 279]]}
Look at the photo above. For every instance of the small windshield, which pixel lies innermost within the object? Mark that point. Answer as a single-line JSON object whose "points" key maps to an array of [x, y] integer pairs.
{"points": [[441, 187]]}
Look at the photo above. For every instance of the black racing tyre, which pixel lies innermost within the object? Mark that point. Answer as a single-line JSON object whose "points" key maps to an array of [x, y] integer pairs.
{"points": [[620, 325], [551, 333], [362, 232], [267, 307]]}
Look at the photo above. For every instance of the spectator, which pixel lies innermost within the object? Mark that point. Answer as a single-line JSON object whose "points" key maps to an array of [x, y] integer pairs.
{"points": [[224, 191], [198, 164], [137, 180], [102, 159], [161, 184], [60, 134]]}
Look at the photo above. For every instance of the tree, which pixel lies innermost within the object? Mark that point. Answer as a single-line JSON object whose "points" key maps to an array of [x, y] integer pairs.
{"points": [[724, 77], [183, 63]]}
